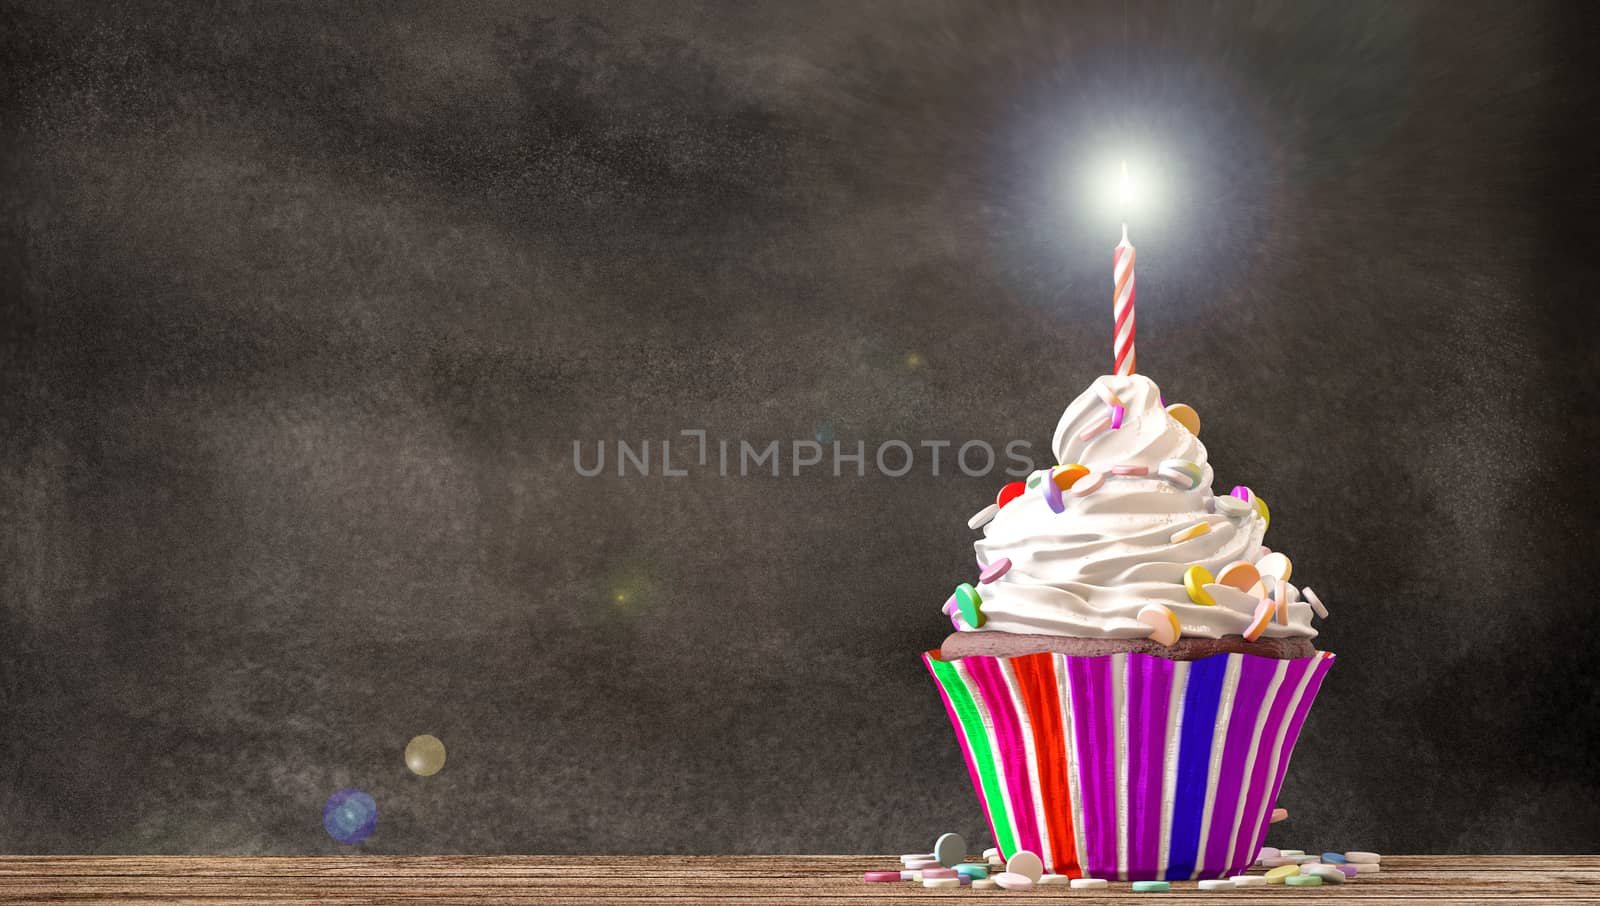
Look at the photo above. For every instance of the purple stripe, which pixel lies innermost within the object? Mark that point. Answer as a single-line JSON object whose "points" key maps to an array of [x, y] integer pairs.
{"points": [[1010, 741], [1248, 842], [1255, 673], [1323, 663], [1149, 687], [1095, 733]]}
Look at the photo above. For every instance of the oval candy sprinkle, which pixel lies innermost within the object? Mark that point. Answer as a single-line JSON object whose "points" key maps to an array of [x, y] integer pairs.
{"points": [[1366, 867], [1027, 864], [1241, 492], [1181, 472], [1186, 416], [1266, 514], [951, 849], [1232, 507], [983, 885], [1088, 883], [994, 570], [1163, 623], [1089, 484], [1276, 565], [1349, 871], [976, 869], [1302, 880], [1315, 602], [1279, 814], [1130, 469], [1151, 886], [1009, 880], [1193, 531], [1099, 427], [1359, 856], [1268, 852], [1333, 859], [982, 517], [941, 882], [880, 877], [1240, 574], [970, 604], [1009, 493], [1216, 884], [1258, 625], [1248, 881], [1053, 880], [1276, 875], [1195, 580], [1066, 476], [928, 873]]}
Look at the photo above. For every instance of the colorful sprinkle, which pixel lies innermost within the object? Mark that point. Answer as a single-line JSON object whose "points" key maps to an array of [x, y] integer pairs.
{"points": [[970, 604], [1358, 856], [1164, 626], [984, 885], [1181, 472], [1266, 514], [1276, 565], [1186, 417], [1089, 484], [936, 873], [982, 517], [1240, 492], [1240, 574], [1130, 469], [1268, 852], [1107, 395], [1258, 625], [1216, 884], [1348, 870], [1248, 881], [975, 869], [1280, 814], [880, 877], [1303, 881], [994, 570], [1009, 493], [941, 882], [1195, 580], [1118, 413], [1315, 602], [1328, 873], [1088, 883], [1099, 427], [1027, 864], [1193, 531], [1151, 886], [1333, 859], [1365, 868]]}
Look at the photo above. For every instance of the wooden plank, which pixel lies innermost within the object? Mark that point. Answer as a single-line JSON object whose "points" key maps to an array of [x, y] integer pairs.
{"points": [[682, 880]]}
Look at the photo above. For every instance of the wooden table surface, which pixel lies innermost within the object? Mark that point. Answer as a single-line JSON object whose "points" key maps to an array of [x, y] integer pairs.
{"points": [[719, 880]]}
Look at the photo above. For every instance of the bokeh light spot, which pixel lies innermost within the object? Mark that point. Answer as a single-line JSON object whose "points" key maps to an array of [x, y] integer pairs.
{"points": [[350, 816], [425, 755]]}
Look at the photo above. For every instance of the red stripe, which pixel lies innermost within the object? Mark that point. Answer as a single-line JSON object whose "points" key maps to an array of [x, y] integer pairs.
{"points": [[1036, 679]]}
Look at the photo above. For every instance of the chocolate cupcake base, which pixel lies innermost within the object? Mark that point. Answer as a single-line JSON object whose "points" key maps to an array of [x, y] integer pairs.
{"points": [[1010, 644]]}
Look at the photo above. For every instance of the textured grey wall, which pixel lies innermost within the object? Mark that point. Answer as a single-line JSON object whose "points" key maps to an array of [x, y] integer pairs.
{"points": [[305, 307]]}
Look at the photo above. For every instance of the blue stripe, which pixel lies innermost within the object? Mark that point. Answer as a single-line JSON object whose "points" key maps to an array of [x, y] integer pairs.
{"points": [[1194, 762]]}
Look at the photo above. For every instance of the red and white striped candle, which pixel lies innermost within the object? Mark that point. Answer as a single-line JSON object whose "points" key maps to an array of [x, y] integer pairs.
{"points": [[1122, 304]]}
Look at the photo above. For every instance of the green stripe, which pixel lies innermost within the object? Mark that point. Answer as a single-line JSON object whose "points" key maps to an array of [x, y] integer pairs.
{"points": [[978, 744]]}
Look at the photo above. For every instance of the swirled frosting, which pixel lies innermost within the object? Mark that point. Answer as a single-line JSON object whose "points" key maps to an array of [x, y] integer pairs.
{"points": [[1086, 572]]}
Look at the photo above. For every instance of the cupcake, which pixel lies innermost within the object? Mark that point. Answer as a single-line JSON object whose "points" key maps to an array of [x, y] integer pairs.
{"points": [[1130, 668]]}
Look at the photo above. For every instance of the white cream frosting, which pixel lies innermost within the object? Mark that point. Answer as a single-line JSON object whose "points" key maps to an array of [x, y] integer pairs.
{"points": [[1088, 571]]}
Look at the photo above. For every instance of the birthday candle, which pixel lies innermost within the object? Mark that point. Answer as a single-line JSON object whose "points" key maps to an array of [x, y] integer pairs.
{"points": [[1122, 304]]}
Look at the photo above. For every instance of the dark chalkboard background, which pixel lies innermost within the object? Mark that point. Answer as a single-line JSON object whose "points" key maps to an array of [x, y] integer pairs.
{"points": [[305, 307]]}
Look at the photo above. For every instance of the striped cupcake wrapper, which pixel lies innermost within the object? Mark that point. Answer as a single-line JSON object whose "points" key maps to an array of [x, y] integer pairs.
{"points": [[1129, 766]]}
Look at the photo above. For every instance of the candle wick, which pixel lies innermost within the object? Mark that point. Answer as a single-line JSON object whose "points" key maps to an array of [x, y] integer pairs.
{"points": [[1124, 234]]}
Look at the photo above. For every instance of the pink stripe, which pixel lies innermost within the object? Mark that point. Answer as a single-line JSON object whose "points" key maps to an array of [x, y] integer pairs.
{"points": [[1149, 689], [966, 744], [1010, 740], [1323, 663], [1255, 675], [1094, 731], [1250, 837]]}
